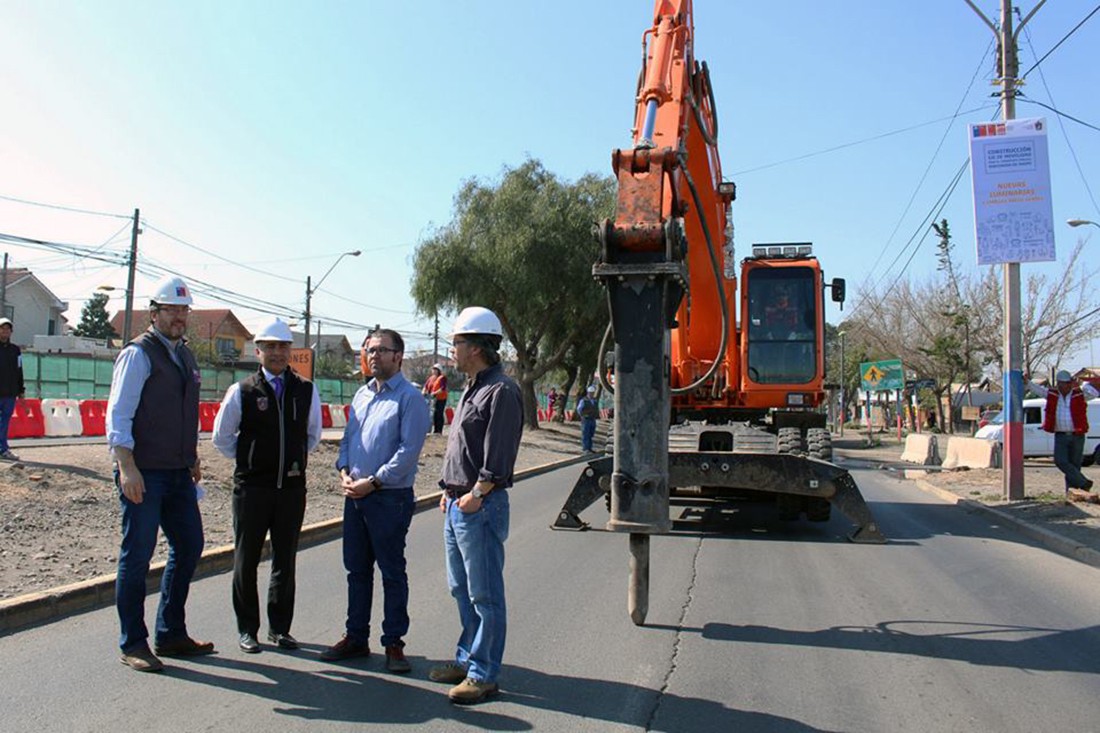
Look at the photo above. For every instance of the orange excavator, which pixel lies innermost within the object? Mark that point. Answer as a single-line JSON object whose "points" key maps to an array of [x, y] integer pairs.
{"points": [[706, 409]]}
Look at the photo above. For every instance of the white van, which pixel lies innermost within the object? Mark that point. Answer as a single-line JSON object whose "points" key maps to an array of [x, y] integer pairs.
{"points": [[1038, 442]]}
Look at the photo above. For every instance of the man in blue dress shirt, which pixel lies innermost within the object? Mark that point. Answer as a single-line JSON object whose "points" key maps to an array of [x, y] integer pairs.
{"points": [[378, 458]]}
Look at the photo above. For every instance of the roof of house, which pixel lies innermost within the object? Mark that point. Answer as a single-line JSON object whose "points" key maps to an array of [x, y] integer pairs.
{"points": [[202, 323], [15, 275]]}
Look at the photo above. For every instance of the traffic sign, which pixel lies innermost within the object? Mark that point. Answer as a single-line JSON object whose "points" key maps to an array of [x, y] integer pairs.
{"points": [[881, 376]]}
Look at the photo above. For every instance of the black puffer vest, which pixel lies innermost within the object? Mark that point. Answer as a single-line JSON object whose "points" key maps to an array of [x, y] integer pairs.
{"points": [[273, 439]]}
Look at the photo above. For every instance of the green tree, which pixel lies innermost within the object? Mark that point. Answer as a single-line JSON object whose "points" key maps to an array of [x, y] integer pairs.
{"points": [[523, 248], [94, 322]]}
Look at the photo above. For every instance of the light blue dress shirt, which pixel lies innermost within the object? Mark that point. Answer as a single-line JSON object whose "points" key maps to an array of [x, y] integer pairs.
{"points": [[387, 424]]}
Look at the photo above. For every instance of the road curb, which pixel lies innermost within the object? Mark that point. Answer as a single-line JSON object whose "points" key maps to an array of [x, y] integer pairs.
{"points": [[1051, 540], [50, 605]]}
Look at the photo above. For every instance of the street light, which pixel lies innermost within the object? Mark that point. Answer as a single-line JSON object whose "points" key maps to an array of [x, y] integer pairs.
{"points": [[127, 313], [842, 405], [1081, 223], [311, 290]]}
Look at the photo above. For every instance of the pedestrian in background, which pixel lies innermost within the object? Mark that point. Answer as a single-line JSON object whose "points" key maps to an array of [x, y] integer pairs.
{"points": [[152, 432], [386, 428], [268, 423], [477, 471], [11, 384], [1066, 416], [589, 409], [435, 389]]}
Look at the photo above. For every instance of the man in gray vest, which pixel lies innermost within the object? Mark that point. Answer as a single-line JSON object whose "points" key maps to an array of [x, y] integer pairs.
{"points": [[268, 423], [152, 430]]}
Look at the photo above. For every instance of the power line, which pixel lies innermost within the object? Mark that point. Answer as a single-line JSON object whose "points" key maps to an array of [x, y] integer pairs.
{"points": [[64, 208], [1056, 45]]}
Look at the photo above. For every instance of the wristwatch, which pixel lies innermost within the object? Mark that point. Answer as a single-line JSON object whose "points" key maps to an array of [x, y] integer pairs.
{"points": [[373, 481], [476, 491]]}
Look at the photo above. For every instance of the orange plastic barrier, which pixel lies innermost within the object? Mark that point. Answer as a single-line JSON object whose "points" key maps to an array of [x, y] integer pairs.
{"points": [[347, 412], [27, 420], [326, 415], [207, 412], [93, 417]]}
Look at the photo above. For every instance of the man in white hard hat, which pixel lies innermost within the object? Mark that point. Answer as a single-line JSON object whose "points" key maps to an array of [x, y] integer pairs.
{"points": [[152, 431], [435, 389], [386, 428], [1066, 416], [268, 423], [11, 384], [477, 471], [589, 409]]}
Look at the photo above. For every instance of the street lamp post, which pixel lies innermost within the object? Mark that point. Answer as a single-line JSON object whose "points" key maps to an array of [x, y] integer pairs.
{"points": [[310, 290], [842, 405], [1081, 223]]}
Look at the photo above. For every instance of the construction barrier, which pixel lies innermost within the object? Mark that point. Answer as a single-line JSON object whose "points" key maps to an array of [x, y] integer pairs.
{"points": [[339, 419], [347, 413], [93, 417], [207, 412], [27, 420], [61, 418], [920, 448], [326, 416], [449, 413], [972, 453]]}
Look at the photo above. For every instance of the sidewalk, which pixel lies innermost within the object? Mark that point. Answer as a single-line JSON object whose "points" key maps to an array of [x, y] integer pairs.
{"points": [[1069, 528]]}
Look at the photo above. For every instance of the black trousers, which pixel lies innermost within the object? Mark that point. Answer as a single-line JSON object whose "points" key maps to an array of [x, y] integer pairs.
{"points": [[258, 510], [437, 415]]}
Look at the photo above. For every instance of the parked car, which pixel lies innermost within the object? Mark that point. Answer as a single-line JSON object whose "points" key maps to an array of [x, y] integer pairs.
{"points": [[1038, 442], [987, 416]]}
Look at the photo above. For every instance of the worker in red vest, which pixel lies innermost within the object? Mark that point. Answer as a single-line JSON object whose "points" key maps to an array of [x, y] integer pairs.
{"points": [[1066, 416], [435, 388]]}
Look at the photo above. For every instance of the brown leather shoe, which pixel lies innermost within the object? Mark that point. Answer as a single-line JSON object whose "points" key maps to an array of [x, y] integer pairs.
{"points": [[470, 691], [395, 660], [141, 660], [185, 647], [450, 673]]}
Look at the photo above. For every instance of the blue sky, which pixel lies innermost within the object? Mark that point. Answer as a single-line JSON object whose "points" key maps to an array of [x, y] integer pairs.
{"points": [[278, 135]]}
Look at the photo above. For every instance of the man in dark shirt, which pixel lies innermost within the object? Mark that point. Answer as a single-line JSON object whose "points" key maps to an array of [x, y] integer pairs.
{"points": [[477, 471], [11, 384]]}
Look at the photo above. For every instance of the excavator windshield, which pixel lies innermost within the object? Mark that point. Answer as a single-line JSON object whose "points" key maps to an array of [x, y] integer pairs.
{"points": [[781, 323]]}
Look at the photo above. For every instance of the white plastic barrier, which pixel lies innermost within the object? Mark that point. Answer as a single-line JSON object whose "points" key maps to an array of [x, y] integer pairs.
{"points": [[62, 417], [338, 418], [920, 448], [972, 453]]}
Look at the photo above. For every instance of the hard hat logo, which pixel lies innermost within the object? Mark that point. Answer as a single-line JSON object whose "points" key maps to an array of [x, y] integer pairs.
{"points": [[171, 290]]}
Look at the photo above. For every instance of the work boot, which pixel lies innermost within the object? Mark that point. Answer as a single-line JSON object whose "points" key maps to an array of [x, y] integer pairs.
{"points": [[470, 691], [346, 648]]}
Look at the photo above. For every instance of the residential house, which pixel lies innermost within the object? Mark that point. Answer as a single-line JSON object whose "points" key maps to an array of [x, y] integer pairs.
{"points": [[218, 327], [32, 307]]}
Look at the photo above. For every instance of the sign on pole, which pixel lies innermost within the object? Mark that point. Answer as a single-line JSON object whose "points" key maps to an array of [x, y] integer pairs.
{"points": [[301, 360], [1013, 216], [881, 376]]}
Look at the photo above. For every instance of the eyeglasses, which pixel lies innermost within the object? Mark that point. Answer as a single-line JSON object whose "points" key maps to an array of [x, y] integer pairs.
{"points": [[175, 310], [458, 342], [380, 350]]}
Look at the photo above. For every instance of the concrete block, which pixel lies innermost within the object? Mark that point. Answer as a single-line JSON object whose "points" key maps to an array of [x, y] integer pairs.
{"points": [[920, 448], [972, 453]]}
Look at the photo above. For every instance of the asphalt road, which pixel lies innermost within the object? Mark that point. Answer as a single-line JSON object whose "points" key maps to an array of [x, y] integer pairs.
{"points": [[955, 625]]}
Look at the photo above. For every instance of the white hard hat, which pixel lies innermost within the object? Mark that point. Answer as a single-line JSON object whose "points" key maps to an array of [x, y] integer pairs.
{"points": [[1063, 376], [477, 320], [6, 322], [591, 389], [437, 366], [171, 290], [274, 330]]}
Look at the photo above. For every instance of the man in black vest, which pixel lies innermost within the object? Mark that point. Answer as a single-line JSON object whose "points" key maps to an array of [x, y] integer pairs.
{"points": [[152, 430], [11, 384], [268, 422]]}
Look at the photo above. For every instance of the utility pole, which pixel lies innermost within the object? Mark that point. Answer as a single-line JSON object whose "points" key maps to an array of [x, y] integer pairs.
{"points": [[309, 294], [4, 288], [1012, 366], [435, 339], [128, 314]]}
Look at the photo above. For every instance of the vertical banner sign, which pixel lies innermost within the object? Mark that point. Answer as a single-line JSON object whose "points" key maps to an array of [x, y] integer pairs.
{"points": [[1013, 215]]}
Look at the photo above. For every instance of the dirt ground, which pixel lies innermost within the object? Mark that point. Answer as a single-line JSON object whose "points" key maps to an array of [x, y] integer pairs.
{"points": [[59, 509], [1046, 504]]}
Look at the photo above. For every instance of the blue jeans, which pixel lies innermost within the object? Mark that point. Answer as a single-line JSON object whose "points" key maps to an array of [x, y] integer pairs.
{"points": [[169, 503], [1069, 450], [7, 407], [474, 545], [588, 432], [374, 533]]}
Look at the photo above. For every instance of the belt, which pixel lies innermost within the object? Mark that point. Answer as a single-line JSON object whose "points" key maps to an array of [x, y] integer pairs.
{"points": [[454, 492]]}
